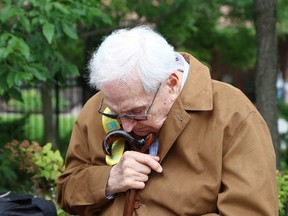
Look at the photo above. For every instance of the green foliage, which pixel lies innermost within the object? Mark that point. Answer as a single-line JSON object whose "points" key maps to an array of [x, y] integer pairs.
{"points": [[282, 182], [36, 37], [188, 25], [7, 172], [41, 164], [13, 128], [230, 47], [283, 109], [33, 34], [195, 26], [282, 177], [49, 163], [282, 15], [283, 151]]}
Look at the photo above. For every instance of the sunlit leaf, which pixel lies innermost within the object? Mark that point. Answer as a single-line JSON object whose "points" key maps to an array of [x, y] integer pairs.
{"points": [[48, 31], [71, 69], [10, 79], [26, 23], [6, 13], [24, 48], [38, 74], [61, 7], [70, 30], [2, 53]]}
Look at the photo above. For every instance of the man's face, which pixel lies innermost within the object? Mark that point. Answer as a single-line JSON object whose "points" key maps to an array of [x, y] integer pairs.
{"points": [[123, 99]]}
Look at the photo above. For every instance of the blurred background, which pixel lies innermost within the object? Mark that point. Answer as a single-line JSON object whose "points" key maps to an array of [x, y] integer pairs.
{"points": [[45, 46]]}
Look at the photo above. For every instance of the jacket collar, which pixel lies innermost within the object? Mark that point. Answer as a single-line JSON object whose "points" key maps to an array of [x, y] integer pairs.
{"points": [[197, 91]]}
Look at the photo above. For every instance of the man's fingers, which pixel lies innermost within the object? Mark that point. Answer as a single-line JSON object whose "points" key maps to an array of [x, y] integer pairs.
{"points": [[132, 172], [148, 160]]}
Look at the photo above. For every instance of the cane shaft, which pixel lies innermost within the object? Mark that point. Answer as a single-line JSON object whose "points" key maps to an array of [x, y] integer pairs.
{"points": [[129, 202], [131, 194]]}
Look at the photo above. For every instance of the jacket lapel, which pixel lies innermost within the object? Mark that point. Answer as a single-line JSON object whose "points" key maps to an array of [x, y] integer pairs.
{"points": [[176, 121]]}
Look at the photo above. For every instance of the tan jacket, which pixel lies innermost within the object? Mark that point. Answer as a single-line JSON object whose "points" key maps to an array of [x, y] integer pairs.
{"points": [[215, 149]]}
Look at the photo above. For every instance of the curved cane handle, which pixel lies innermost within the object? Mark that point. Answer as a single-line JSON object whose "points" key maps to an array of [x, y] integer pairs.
{"points": [[137, 145], [120, 134]]}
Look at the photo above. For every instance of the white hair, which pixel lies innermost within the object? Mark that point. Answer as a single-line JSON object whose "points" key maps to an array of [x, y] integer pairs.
{"points": [[127, 54]]}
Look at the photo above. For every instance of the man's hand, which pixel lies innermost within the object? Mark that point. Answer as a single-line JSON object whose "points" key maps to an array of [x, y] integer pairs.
{"points": [[132, 172]]}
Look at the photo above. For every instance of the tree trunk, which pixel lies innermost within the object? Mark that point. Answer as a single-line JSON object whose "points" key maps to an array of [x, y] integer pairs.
{"points": [[267, 66], [48, 115]]}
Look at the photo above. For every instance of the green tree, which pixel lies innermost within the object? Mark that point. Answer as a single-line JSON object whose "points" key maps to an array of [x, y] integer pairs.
{"points": [[37, 44]]}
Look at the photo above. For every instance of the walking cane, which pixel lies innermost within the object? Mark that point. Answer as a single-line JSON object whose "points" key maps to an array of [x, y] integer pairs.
{"points": [[141, 145]]}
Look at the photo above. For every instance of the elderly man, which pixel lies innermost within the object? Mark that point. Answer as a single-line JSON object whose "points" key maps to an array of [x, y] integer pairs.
{"points": [[212, 155]]}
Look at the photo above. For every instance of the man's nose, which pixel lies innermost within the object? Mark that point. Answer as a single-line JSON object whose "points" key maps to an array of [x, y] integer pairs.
{"points": [[128, 124]]}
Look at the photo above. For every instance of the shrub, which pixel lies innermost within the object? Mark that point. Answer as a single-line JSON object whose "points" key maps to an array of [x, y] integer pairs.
{"points": [[42, 164], [282, 182]]}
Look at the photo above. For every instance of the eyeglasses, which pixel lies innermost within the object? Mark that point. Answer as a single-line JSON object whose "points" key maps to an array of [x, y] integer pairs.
{"points": [[143, 117]]}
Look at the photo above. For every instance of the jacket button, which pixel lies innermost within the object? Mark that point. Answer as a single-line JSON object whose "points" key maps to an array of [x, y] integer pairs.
{"points": [[137, 205]]}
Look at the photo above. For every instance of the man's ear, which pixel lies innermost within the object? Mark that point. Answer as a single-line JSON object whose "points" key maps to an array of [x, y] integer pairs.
{"points": [[173, 80]]}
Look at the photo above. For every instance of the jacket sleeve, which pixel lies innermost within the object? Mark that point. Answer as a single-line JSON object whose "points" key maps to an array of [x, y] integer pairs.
{"points": [[81, 188], [249, 171]]}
